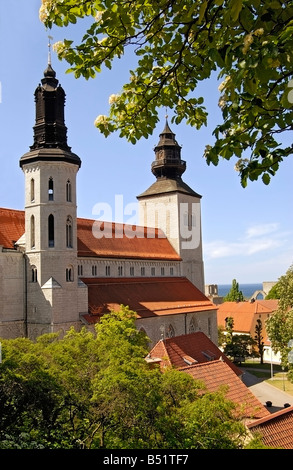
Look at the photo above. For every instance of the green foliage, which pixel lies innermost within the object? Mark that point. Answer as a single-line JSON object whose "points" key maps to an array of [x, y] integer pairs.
{"points": [[280, 325], [234, 295], [93, 391], [273, 293], [259, 339], [249, 44]]}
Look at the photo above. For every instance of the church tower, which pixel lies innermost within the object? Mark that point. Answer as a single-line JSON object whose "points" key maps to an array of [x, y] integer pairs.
{"points": [[171, 205], [50, 170]]}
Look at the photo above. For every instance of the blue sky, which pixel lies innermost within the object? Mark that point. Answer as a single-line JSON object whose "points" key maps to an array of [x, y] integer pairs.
{"points": [[247, 233]]}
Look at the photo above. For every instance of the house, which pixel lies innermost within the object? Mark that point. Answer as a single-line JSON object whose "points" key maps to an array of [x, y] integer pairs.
{"points": [[196, 355], [189, 349], [245, 316], [276, 430]]}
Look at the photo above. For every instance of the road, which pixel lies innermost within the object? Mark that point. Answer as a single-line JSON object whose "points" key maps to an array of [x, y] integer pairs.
{"points": [[266, 392]]}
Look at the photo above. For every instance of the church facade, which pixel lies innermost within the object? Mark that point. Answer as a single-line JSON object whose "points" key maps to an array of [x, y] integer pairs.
{"points": [[58, 270]]}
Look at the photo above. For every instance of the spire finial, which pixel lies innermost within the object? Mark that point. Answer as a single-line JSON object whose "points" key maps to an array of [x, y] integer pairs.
{"points": [[166, 116], [49, 52]]}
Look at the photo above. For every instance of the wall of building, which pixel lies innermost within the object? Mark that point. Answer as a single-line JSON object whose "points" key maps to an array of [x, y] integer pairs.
{"points": [[12, 294], [164, 326]]}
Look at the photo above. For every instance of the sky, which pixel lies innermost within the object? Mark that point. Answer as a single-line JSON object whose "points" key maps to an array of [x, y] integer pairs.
{"points": [[247, 233]]}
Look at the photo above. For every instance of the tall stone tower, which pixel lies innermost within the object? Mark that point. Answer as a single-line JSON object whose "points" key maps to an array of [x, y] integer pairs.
{"points": [[171, 205], [50, 170]]}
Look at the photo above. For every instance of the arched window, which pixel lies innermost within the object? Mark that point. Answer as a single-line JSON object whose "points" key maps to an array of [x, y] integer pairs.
{"points": [[51, 189], [170, 333], [68, 191], [69, 274], [34, 274], [51, 239], [69, 241], [33, 241], [193, 325], [32, 190]]}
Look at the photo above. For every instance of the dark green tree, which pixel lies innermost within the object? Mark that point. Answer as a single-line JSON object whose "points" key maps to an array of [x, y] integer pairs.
{"points": [[91, 390], [234, 295], [259, 339]]}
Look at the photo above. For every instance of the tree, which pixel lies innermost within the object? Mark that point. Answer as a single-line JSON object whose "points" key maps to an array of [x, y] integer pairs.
{"points": [[234, 295], [273, 293], [178, 45], [91, 390], [259, 339], [280, 325]]}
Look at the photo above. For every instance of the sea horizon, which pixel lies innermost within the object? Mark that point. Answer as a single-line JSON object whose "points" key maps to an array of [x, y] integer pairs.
{"points": [[248, 289]]}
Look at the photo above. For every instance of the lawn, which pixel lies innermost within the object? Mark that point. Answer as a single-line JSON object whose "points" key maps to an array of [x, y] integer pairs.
{"points": [[279, 379]]}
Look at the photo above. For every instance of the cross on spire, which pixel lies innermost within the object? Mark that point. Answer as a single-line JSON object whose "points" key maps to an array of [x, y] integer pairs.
{"points": [[49, 51]]}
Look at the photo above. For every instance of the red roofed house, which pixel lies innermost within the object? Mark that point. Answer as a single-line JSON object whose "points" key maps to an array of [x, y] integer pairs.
{"points": [[245, 316], [57, 270], [199, 357], [275, 430]]}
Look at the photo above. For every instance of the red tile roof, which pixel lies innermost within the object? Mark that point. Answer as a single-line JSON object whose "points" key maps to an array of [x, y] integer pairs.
{"points": [[119, 240], [244, 313], [11, 227], [277, 429], [124, 241], [146, 296], [215, 374], [192, 348]]}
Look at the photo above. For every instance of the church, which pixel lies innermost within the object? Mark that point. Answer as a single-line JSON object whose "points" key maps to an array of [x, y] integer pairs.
{"points": [[58, 270]]}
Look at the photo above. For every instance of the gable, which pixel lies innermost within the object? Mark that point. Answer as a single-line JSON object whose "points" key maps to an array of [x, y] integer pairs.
{"points": [[189, 349]]}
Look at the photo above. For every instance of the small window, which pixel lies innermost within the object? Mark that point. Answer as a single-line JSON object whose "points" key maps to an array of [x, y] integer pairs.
{"points": [[171, 271], [68, 191], [94, 270], [51, 190], [33, 241], [80, 270], [69, 243], [153, 271], [107, 270], [142, 271], [120, 270], [69, 274], [162, 271], [32, 190], [34, 274], [51, 230], [131, 271]]}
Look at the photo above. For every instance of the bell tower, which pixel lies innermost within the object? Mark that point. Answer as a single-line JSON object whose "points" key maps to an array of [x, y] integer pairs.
{"points": [[50, 169], [171, 205]]}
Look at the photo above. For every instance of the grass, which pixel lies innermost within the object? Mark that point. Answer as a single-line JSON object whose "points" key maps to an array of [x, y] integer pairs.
{"points": [[279, 379]]}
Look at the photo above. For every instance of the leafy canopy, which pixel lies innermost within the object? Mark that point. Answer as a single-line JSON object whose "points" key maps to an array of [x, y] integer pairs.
{"points": [[178, 44], [280, 325]]}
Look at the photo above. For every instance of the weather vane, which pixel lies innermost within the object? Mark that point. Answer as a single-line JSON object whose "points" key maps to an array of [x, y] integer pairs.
{"points": [[49, 52]]}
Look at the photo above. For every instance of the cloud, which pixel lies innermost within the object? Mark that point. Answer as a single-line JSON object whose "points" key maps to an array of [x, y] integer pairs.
{"points": [[261, 229], [257, 238]]}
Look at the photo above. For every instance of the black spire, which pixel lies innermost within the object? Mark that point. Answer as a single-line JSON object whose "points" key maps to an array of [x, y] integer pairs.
{"points": [[168, 161], [50, 132]]}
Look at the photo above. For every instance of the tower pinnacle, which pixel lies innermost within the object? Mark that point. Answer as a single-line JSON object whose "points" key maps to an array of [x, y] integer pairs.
{"points": [[168, 161]]}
